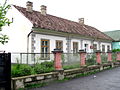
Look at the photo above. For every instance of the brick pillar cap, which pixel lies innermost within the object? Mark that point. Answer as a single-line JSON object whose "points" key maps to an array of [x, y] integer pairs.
{"points": [[82, 51], [110, 51], [57, 51], [98, 51]]}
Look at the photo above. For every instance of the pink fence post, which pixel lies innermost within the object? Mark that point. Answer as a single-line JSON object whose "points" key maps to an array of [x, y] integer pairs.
{"points": [[109, 56], [82, 57], [57, 59], [98, 56], [118, 56]]}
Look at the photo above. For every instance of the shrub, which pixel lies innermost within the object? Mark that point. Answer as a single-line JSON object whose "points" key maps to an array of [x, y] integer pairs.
{"points": [[21, 70], [91, 59], [44, 67], [115, 50], [66, 67]]}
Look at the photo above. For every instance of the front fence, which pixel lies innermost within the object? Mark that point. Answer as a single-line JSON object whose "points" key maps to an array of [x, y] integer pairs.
{"points": [[31, 58], [58, 62], [90, 59], [68, 60]]}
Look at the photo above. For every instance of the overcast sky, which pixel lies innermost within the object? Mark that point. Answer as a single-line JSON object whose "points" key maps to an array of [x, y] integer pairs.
{"points": [[101, 14]]}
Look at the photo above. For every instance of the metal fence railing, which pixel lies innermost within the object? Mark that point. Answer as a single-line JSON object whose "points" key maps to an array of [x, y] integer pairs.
{"points": [[104, 57], [31, 58], [69, 60], [114, 56], [90, 59]]}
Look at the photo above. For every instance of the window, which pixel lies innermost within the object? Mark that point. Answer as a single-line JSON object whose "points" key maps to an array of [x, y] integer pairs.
{"points": [[45, 49], [59, 44], [75, 47], [103, 48], [94, 47], [86, 47], [108, 48]]}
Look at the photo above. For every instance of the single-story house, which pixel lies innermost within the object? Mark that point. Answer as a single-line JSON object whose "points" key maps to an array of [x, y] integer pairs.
{"points": [[115, 35], [38, 32]]}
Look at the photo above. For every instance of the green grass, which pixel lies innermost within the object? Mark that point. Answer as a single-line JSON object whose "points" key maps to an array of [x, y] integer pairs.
{"points": [[66, 67], [28, 86]]}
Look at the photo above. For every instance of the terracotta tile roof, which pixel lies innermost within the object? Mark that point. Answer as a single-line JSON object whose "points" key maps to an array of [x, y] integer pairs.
{"points": [[62, 25]]}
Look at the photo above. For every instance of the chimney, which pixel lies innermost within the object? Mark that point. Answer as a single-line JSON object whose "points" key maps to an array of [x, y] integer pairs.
{"points": [[29, 6], [43, 10], [81, 21]]}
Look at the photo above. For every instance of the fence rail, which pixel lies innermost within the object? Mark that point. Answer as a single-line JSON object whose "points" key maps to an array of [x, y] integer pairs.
{"points": [[67, 58]]}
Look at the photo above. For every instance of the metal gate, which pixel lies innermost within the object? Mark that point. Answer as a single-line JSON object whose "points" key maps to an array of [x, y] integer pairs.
{"points": [[5, 71]]}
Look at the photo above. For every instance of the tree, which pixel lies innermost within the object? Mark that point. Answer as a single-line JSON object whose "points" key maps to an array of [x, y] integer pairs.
{"points": [[4, 21]]}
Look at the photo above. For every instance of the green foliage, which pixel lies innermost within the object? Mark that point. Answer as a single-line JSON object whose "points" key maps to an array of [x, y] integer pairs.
{"points": [[4, 21], [36, 85], [21, 70], [3, 11], [116, 50], [66, 67], [3, 39], [44, 67], [91, 59], [63, 58], [104, 58], [114, 55], [24, 70]]}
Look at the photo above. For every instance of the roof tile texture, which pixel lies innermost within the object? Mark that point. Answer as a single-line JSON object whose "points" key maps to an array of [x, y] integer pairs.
{"points": [[62, 25]]}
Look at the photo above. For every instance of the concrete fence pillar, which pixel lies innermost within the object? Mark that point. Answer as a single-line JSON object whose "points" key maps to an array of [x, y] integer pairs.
{"points": [[57, 59], [109, 56], [118, 56], [17, 83], [82, 57], [98, 57]]}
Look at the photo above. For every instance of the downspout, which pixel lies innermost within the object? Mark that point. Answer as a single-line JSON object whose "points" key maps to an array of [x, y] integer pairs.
{"points": [[28, 43]]}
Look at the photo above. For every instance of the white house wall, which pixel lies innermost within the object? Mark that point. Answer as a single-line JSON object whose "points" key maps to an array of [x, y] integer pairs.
{"points": [[52, 39], [17, 32], [89, 44], [106, 44], [75, 40], [95, 42]]}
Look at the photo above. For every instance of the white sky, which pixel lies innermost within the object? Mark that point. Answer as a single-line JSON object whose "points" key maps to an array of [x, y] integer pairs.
{"points": [[101, 14]]}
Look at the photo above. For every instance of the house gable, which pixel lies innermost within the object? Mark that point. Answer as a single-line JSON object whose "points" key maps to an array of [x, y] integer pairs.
{"points": [[17, 32]]}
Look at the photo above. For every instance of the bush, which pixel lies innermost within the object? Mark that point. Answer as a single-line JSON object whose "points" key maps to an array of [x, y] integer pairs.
{"points": [[66, 67], [44, 67], [18, 70], [91, 59], [21, 70], [115, 50]]}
